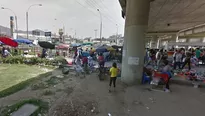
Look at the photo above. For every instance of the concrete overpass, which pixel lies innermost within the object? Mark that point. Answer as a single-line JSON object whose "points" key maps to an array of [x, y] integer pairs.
{"points": [[155, 17]]}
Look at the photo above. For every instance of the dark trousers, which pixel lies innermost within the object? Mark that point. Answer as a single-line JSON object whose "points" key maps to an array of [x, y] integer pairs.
{"points": [[177, 64], [113, 80], [167, 84], [187, 61]]}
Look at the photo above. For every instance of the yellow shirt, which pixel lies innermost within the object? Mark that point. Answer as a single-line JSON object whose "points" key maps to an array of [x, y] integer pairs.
{"points": [[114, 72]]}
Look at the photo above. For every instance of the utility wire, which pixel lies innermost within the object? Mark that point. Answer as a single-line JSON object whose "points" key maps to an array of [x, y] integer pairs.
{"points": [[96, 6], [105, 9]]}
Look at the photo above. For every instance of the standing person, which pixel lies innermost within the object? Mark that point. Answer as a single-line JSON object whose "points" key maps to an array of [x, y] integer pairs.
{"points": [[177, 59], [159, 56], [43, 53], [165, 54], [113, 76], [198, 53], [188, 59], [101, 60], [203, 57], [167, 70], [2, 53], [7, 53]]}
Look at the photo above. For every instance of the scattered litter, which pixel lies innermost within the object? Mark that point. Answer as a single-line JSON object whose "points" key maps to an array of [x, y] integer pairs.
{"points": [[148, 108], [93, 109], [109, 114], [60, 76], [152, 100]]}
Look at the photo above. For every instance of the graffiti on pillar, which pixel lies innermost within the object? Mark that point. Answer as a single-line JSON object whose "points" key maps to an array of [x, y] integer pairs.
{"points": [[124, 53], [133, 60]]}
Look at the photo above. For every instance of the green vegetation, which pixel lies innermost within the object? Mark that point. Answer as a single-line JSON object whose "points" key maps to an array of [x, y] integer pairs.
{"points": [[17, 76], [33, 60], [43, 107]]}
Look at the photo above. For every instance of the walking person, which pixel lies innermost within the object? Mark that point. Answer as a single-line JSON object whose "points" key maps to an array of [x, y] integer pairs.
{"points": [[203, 57], [177, 59], [159, 56], [188, 59], [113, 76]]}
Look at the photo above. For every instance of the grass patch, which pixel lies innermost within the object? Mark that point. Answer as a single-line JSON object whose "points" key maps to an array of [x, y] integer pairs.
{"points": [[21, 85], [43, 107], [12, 74]]}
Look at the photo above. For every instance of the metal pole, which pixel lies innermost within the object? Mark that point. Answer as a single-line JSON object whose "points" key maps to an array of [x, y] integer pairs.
{"points": [[15, 18], [95, 33], [116, 34], [100, 25], [27, 24], [27, 16], [16, 27]]}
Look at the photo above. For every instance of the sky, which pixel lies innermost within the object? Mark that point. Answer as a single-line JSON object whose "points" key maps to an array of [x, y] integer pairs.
{"points": [[75, 15]]}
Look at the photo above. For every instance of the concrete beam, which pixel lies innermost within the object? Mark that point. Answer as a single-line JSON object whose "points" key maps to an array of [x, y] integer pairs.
{"points": [[151, 33]]}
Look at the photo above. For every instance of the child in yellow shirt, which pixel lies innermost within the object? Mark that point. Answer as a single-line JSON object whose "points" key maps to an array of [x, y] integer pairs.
{"points": [[113, 75]]}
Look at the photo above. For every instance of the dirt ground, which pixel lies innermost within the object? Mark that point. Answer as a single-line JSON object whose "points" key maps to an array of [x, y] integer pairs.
{"points": [[76, 96]]}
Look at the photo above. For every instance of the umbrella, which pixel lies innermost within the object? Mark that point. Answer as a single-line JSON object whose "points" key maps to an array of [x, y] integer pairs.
{"points": [[8, 41], [25, 41], [63, 46], [101, 49], [109, 48], [116, 47], [46, 45]]}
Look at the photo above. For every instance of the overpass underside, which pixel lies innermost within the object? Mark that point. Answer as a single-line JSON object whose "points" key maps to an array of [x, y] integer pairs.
{"points": [[156, 18]]}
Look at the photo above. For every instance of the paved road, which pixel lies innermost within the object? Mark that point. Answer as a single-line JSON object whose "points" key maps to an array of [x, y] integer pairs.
{"points": [[139, 101]]}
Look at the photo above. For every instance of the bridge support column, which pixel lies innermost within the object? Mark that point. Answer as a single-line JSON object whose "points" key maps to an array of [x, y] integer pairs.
{"points": [[137, 14], [153, 42]]}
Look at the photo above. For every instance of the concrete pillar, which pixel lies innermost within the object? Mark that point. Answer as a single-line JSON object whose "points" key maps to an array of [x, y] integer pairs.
{"points": [[158, 43], [153, 42], [137, 13], [202, 40]]}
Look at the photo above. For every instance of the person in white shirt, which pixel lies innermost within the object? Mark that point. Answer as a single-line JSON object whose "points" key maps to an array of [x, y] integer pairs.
{"points": [[177, 59], [7, 53], [159, 56]]}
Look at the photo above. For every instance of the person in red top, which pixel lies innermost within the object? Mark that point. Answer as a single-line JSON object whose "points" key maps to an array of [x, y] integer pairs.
{"points": [[101, 60], [84, 60]]}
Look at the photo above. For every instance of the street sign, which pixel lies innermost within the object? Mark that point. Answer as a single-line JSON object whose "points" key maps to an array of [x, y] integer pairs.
{"points": [[48, 34]]}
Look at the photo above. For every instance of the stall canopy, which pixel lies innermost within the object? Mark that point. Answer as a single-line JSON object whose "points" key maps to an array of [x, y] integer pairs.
{"points": [[62, 46], [8, 41], [76, 45], [87, 44], [23, 41], [46, 45]]}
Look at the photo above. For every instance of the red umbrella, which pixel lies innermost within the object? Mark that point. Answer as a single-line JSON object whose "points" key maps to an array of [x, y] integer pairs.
{"points": [[63, 46], [8, 41]]}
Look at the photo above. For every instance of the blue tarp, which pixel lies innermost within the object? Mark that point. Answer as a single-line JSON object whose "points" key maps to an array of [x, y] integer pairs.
{"points": [[25, 41]]}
